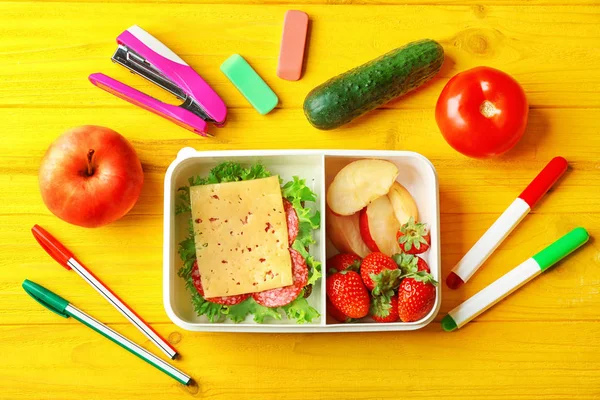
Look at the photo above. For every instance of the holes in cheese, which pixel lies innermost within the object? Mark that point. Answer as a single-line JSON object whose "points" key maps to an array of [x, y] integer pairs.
{"points": [[244, 227]]}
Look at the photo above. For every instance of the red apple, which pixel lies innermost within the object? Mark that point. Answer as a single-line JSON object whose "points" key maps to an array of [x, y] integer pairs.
{"points": [[378, 226], [344, 233], [365, 233], [90, 176]]}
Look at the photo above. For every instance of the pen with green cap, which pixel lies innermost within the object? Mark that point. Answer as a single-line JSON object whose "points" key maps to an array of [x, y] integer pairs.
{"points": [[514, 279], [60, 306]]}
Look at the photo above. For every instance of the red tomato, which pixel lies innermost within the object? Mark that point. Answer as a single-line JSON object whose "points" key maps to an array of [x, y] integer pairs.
{"points": [[482, 112]]}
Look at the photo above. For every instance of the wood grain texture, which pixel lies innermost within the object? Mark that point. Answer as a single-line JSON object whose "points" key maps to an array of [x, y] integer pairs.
{"points": [[555, 71], [301, 366], [473, 3], [540, 343]]}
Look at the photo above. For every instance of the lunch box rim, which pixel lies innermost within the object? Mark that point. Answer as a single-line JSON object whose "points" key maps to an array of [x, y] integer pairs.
{"points": [[187, 153]]}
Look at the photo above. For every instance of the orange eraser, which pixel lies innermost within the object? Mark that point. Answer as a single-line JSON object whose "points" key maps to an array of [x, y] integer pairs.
{"points": [[293, 41]]}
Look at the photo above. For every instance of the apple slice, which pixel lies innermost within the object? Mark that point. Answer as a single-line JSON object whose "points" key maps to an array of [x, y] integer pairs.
{"points": [[403, 203], [365, 233], [344, 233], [380, 226], [359, 183]]}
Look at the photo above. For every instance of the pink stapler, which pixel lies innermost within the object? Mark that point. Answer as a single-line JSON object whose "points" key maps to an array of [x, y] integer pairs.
{"points": [[143, 54]]}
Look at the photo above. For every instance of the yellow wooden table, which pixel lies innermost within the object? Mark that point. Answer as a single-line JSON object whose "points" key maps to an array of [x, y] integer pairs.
{"points": [[541, 343]]}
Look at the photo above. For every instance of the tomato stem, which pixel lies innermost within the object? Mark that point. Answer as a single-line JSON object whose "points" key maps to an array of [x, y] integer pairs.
{"points": [[90, 159], [488, 109]]}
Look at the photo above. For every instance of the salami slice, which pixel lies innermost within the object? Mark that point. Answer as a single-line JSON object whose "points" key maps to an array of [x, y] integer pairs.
{"points": [[196, 279], [285, 295], [292, 220], [225, 300]]}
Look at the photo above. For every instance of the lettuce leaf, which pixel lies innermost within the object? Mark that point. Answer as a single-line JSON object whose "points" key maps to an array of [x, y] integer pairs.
{"points": [[298, 194], [214, 312], [239, 312], [224, 172], [314, 266], [300, 310]]}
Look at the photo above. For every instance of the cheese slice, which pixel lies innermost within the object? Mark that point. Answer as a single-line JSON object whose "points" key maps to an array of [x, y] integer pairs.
{"points": [[241, 237]]}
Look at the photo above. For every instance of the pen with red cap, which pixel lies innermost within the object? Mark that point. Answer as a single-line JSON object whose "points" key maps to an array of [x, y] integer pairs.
{"points": [[64, 257], [506, 222]]}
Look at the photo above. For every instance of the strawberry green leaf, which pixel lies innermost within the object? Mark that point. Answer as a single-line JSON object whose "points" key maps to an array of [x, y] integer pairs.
{"points": [[423, 276], [355, 266], [413, 234], [407, 263], [385, 281], [381, 305]]}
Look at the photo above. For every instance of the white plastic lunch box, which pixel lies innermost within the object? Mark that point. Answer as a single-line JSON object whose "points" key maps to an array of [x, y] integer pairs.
{"points": [[318, 167]]}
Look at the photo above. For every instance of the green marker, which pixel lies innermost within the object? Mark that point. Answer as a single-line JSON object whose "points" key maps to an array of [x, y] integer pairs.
{"points": [[250, 84], [60, 306], [513, 280]]}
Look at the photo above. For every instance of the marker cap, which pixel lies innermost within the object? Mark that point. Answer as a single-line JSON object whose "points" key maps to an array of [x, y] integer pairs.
{"points": [[53, 247], [561, 248], [51, 301], [544, 181]]}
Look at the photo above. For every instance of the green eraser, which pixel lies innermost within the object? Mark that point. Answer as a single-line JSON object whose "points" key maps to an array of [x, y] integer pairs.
{"points": [[249, 83]]}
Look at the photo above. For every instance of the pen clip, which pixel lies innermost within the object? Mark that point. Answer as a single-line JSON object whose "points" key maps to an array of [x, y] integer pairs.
{"points": [[52, 246], [51, 301]]}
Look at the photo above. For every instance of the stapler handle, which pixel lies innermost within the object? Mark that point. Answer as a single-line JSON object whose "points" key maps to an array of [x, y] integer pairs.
{"points": [[176, 70], [178, 115]]}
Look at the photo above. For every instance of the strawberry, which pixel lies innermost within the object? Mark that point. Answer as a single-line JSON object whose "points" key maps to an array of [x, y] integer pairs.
{"points": [[343, 261], [348, 294], [380, 268], [410, 264], [416, 296], [422, 265], [337, 314], [386, 311], [414, 237]]}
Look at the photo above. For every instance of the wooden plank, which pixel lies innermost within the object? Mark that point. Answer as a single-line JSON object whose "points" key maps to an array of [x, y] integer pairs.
{"points": [[489, 189], [466, 185], [571, 133], [552, 51], [134, 271], [540, 343], [549, 360], [295, 3]]}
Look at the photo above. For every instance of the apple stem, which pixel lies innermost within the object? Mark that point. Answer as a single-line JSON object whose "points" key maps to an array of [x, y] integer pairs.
{"points": [[90, 159]]}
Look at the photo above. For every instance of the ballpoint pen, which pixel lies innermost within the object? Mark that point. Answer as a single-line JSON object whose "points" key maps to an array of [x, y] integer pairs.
{"points": [[64, 257], [60, 306]]}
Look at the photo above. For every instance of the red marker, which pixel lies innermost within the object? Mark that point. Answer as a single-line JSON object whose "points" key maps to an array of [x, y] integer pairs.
{"points": [[504, 225], [293, 41], [64, 257]]}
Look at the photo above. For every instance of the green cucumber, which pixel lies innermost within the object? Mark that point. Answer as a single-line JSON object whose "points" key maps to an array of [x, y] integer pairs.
{"points": [[364, 88]]}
